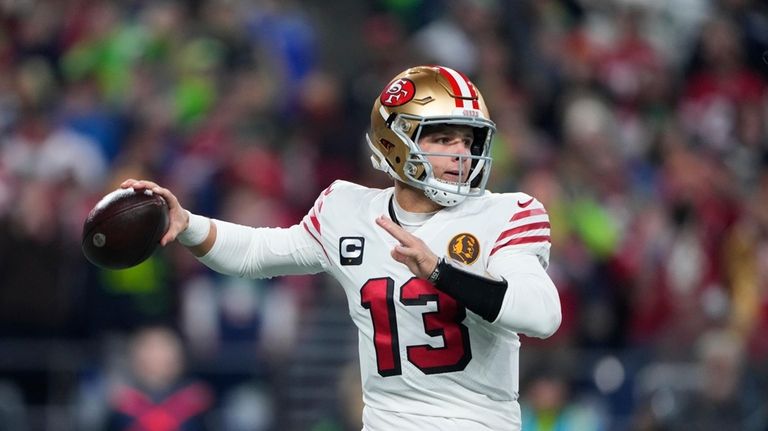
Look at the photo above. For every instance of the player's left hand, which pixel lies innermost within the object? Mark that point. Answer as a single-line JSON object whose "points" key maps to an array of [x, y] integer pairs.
{"points": [[411, 251]]}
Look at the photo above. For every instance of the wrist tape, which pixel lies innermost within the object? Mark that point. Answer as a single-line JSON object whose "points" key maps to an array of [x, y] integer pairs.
{"points": [[196, 232]]}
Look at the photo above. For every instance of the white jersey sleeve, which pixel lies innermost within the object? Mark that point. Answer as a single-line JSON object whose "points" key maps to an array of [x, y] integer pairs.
{"points": [[249, 252], [316, 222], [520, 255]]}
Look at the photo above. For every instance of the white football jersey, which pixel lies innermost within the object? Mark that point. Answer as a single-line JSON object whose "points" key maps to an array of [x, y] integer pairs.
{"points": [[426, 361]]}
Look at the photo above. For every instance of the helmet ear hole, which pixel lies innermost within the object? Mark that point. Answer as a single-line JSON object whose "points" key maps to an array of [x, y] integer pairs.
{"points": [[478, 143], [479, 178]]}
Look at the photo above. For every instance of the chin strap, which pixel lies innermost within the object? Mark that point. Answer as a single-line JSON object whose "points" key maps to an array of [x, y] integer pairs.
{"points": [[442, 197]]}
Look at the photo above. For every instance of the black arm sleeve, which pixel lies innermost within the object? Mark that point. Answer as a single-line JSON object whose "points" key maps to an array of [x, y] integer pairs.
{"points": [[481, 295]]}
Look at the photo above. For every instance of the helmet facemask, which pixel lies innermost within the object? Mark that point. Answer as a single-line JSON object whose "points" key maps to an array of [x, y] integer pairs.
{"points": [[419, 172]]}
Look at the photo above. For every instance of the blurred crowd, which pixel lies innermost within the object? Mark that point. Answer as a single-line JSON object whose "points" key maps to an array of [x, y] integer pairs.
{"points": [[641, 125]]}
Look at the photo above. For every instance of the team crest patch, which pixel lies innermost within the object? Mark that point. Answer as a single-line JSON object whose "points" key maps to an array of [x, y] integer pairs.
{"points": [[398, 93], [465, 248]]}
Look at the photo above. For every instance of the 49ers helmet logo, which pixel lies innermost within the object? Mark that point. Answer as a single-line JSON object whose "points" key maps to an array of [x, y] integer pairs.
{"points": [[465, 248], [398, 93]]}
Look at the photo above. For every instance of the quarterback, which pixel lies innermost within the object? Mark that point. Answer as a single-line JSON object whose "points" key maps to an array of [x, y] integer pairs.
{"points": [[440, 274]]}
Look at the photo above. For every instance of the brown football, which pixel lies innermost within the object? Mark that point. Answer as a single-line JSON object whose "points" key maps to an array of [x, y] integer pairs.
{"points": [[124, 228]]}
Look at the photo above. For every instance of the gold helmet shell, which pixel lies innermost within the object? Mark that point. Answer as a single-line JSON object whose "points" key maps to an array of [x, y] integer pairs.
{"points": [[422, 96]]}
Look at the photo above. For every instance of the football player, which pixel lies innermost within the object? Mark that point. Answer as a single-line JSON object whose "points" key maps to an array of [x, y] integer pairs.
{"points": [[440, 274]]}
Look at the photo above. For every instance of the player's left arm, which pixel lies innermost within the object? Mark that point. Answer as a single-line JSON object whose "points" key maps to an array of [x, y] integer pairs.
{"points": [[518, 294], [488, 297], [520, 256], [531, 304]]}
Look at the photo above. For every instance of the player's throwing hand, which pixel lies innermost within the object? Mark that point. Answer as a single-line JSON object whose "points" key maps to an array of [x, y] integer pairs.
{"points": [[412, 251], [179, 218]]}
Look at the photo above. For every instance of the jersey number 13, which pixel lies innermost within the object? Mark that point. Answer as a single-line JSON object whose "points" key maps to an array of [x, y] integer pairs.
{"points": [[377, 296]]}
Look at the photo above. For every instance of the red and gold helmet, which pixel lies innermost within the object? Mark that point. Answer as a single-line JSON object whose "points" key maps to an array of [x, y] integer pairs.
{"points": [[425, 96]]}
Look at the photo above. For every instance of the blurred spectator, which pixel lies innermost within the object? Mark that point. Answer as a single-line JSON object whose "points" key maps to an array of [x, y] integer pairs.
{"points": [[247, 407], [448, 40], [12, 408], [158, 394], [549, 405], [38, 147], [721, 86], [348, 406], [725, 398], [286, 39], [745, 256], [40, 268]]}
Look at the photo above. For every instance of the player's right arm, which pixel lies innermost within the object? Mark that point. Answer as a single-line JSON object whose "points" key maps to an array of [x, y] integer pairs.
{"points": [[239, 250]]}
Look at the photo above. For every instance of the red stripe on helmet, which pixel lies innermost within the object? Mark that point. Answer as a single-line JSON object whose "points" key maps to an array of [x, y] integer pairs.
{"points": [[472, 90], [457, 88], [454, 85]]}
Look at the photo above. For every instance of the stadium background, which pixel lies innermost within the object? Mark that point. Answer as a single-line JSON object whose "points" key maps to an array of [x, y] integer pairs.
{"points": [[641, 125]]}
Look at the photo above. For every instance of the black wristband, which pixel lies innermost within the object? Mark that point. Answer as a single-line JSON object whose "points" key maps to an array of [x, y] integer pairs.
{"points": [[436, 272], [481, 295]]}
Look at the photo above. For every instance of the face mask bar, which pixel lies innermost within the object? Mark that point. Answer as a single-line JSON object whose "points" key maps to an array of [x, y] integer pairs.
{"points": [[480, 163], [480, 166]]}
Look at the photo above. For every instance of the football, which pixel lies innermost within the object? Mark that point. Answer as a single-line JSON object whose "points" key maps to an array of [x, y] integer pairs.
{"points": [[124, 228]]}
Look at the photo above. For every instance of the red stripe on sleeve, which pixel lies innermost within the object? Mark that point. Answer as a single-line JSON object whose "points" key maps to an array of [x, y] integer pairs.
{"points": [[528, 213], [316, 239], [523, 228], [521, 240], [310, 232], [315, 221]]}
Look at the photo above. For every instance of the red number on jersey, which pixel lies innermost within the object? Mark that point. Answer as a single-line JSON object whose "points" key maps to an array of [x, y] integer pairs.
{"points": [[377, 295]]}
